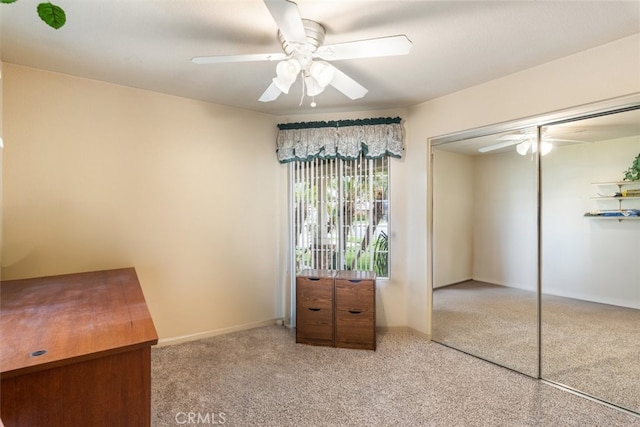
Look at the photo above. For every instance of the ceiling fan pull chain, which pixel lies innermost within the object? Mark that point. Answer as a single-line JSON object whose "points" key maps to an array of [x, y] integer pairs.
{"points": [[303, 90]]}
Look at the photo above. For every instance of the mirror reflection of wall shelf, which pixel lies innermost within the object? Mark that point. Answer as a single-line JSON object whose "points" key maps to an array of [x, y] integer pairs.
{"points": [[627, 196]]}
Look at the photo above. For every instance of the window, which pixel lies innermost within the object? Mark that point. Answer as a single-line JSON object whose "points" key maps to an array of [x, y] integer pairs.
{"points": [[340, 214]]}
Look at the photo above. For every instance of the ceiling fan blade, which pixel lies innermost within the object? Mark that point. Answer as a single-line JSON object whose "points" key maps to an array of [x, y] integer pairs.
{"points": [[383, 46], [499, 145], [347, 85], [288, 19], [238, 58], [574, 141], [271, 94], [514, 137]]}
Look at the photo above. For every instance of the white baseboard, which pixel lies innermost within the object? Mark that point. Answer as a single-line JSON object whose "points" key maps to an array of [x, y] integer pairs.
{"points": [[200, 335], [404, 328], [193, 337]]}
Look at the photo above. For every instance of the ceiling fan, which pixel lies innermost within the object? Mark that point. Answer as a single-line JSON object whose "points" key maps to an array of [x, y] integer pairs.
{"points": [[526, 142], [305, 54]]}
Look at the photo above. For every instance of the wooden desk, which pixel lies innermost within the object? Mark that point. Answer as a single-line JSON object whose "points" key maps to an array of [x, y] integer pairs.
{"points": [[76, 350]]}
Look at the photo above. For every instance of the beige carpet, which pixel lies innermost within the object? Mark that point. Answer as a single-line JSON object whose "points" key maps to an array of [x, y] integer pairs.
{"points": [[594, 348], [490, 321], [590, 347], [261, 377]]}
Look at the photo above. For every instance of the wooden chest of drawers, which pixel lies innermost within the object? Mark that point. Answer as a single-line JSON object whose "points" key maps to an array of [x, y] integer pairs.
{"points": [[336, 308]]}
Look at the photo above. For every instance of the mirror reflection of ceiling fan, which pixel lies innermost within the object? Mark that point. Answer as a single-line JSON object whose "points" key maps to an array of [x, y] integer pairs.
{"points": [[526, 142], [305, 54]]}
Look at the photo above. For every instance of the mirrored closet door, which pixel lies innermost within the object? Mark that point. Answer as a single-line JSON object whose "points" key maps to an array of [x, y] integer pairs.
{"points": [[535, 249], [485, 263], [590, 235]]}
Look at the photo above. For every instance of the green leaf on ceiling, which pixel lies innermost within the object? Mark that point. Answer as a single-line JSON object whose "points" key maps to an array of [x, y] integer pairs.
{"points": [[51, 14], [8, 1]]}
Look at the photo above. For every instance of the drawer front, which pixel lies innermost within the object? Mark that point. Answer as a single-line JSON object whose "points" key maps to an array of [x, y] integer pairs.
{"points": [[314, 325], [355, 295], [355, 329], [314, 293]]}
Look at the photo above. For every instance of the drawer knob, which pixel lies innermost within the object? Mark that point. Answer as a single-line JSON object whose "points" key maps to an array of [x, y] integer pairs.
{"points": [[355, 280], [355, 311], [314, 309]]}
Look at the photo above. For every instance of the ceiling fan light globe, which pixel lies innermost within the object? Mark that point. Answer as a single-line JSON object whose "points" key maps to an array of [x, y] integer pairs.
{"points": [[323, 72], [532, 147], [523, 147], [313, 87], [287, 71]]}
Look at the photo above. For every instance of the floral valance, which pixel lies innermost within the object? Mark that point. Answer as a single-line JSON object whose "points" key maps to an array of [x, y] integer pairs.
{"points": [[345, 139]]}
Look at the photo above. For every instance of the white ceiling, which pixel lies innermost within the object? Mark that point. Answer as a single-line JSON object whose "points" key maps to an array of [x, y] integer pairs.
{"points": [[456, 44]]}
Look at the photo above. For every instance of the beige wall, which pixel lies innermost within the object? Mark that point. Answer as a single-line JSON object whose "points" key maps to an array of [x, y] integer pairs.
{"points": [[1, 161], [608, 71], [103, 176], [183, 190], [100, 176], [453, 217], [505, 216], [606, 251]]}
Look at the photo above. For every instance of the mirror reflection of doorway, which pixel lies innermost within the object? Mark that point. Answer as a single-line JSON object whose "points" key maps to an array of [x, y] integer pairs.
{"points": [[507, 221]]}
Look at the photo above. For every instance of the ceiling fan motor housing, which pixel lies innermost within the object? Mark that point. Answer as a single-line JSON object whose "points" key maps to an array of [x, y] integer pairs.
{"points": [[303, 51]]}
